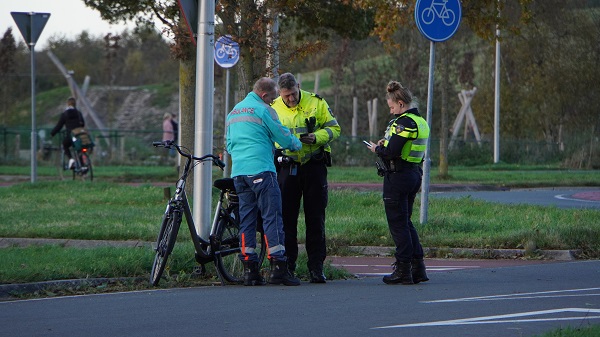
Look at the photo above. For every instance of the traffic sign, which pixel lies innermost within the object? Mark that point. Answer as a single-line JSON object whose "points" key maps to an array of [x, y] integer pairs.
{"points": [[227, 51], [438, 20], [189, 9], [30, 25]]}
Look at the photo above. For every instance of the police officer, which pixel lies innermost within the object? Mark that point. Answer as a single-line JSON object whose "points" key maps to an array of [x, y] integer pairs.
{"points": [[309, 117], [401, 151]]}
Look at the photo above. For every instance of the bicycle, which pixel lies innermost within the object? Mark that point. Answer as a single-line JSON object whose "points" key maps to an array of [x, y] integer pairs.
{"points": [[223, 245], [80, 152]]}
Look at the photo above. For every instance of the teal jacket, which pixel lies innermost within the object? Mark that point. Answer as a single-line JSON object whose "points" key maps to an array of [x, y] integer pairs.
{"points": [[252, 128]]}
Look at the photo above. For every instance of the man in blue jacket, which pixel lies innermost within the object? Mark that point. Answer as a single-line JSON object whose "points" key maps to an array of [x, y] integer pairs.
{"points": [[253, 128]]}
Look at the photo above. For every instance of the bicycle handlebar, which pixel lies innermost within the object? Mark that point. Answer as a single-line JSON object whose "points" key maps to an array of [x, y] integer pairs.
{"points": [[171, 144]]}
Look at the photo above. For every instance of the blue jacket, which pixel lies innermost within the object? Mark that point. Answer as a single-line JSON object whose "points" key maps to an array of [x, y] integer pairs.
{"points": [[252, 128]]}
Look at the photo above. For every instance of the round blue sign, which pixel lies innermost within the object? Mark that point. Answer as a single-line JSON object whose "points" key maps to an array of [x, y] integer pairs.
{"points": [[227, 51], [438, 20]]}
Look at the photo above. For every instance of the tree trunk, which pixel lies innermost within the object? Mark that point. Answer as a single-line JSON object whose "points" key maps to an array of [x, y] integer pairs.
{"points": [[187, 97]]}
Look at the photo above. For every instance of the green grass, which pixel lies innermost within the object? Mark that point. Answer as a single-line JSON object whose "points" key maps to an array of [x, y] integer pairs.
{"points": [[499, 175], [108, 209], [589, 331]]}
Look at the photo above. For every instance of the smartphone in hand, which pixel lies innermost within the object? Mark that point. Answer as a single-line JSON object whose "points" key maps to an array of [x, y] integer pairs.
{"points": [[367, 143]]}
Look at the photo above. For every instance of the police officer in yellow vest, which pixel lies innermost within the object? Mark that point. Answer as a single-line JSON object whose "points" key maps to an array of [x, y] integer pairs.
{"points": [[303, 173], [401, 153]]}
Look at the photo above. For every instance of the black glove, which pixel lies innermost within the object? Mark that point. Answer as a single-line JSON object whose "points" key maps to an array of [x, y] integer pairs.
{"points": [[311, 123]]}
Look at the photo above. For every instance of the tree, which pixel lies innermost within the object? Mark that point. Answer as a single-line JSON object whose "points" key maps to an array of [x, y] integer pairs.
{"points": [[8, 54], [481, 16]]}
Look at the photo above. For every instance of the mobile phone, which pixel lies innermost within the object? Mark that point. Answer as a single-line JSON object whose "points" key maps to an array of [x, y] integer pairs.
{"points": [[367, 143]]}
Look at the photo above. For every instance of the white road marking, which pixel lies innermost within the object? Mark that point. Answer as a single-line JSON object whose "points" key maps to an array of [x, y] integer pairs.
{"points": [[498, 319], [540, 294], [567, 197]]}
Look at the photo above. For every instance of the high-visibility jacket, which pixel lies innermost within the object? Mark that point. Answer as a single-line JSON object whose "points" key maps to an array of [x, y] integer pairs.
{"points": [[326, 127], [252, 129], [414, 148]]}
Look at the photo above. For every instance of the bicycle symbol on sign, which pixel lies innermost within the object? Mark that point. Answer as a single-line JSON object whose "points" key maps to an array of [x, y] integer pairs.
{"points": [[227, 49], [438, 9]]}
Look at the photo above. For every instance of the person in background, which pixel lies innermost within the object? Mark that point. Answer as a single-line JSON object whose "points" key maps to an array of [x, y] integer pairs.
{"points": [[71, 118], [167, 127], [175, 127], [168, 134], [309, 118], [401, 152], [252, 128]]}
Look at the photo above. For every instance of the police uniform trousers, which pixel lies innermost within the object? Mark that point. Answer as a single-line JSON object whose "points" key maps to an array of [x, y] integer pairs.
{"points": [[309, 183], [399, 191]]}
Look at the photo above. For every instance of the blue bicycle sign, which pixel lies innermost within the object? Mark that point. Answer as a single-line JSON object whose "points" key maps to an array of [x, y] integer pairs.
{"points": [[438, 20], [227, 51], [438, 10]]}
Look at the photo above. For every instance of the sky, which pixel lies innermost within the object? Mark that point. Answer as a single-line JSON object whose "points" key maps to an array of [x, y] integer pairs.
{"points": [[67, 18]]}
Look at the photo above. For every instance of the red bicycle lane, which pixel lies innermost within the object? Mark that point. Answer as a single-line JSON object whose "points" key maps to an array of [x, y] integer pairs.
{"points": [[370, 266]]}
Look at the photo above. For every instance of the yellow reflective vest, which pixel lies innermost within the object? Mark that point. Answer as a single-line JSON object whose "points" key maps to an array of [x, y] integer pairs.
{"points": [[414, 149], [326, 128]]}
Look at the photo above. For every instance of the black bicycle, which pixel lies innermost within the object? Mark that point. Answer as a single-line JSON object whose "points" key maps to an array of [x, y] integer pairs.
{"points": [[80, 152], [223, 245]]}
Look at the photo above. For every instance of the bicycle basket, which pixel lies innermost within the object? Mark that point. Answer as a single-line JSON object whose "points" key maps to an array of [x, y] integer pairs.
{"points": [[82, 139]]}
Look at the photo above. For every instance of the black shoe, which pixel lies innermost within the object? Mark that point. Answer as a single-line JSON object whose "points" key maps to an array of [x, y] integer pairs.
{"points": [[418, 271], [281, 275], [317, 276], [402, 274], [252, 275]]}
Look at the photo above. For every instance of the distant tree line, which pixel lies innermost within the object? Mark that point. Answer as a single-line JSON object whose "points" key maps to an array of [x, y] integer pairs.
{"points": [[128, 58], [549, 65]]}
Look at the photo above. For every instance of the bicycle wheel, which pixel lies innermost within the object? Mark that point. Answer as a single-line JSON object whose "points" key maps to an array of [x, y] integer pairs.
{"points": [[165, 243], [227, 252], [86, 167]]}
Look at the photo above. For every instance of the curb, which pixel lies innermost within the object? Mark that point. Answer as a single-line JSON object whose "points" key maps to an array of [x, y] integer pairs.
{"points": [[7, 290]]}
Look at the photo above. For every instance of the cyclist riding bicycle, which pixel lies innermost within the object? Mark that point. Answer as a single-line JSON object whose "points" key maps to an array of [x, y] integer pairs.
{"points": [[71, 119]]}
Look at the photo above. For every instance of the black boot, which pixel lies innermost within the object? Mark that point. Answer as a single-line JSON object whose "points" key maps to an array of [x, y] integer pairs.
{"points": [[418, 271], [281, 275], [252, 274], [402, 274], [316, 275]]}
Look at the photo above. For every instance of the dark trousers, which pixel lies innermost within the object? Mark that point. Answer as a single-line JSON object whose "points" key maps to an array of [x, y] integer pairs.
{"points": [[309, 182], [399, 192], [67, 143]]}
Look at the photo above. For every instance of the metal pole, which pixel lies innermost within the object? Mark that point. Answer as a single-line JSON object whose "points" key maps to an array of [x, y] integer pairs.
{"points": [[226, 156], [203, 142], [427, 159], [497, 100], [33, 131]]}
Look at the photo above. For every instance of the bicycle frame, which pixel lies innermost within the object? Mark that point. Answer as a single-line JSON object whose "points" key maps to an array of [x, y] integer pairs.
{"points": [[222, 246]]}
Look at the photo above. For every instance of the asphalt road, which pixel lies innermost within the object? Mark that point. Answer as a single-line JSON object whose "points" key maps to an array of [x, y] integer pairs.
{"points": [[489, 301], [566, 197]]}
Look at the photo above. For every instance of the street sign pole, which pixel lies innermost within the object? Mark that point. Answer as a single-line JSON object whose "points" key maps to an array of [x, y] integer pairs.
{"points": [[437, 20], [33, 125], [227, 54], [203, 141], [427, 159], [31, 25]]}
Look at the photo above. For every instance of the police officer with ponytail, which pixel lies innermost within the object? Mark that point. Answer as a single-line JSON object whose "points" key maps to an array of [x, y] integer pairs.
{"points": [[401, 153]]}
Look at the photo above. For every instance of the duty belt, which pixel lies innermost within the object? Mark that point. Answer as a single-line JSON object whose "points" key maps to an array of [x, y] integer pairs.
{"points": [[399, 164]]}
